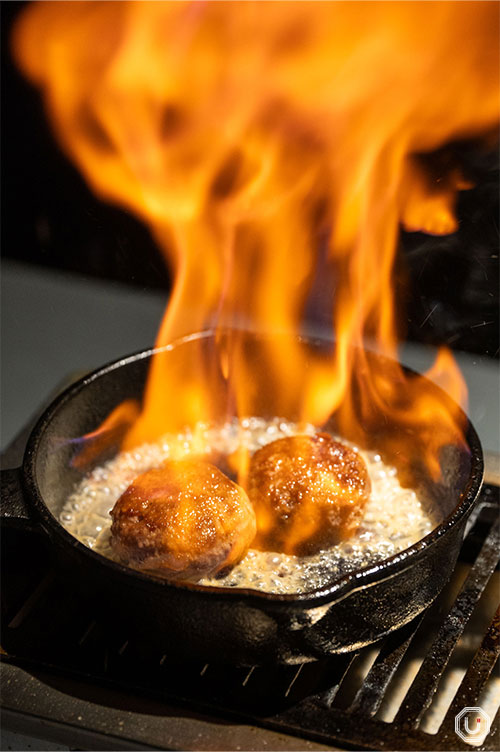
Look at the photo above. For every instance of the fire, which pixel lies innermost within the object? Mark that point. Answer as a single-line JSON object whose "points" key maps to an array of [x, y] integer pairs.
{"points": [[262, 142]]}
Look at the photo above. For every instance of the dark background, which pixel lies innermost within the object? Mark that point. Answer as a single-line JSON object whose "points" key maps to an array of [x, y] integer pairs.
{"points": [[50, 218], [49, 215]]}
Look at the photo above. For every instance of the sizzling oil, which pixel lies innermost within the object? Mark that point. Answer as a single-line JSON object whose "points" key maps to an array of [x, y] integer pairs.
{"points": [[393, 518]]}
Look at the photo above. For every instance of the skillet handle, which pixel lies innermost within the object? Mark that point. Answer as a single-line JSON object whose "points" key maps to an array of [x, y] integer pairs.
{"points": [[14, 511]]}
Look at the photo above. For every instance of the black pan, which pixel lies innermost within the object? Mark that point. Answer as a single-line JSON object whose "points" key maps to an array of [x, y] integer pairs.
{"points": [[227, 625]]}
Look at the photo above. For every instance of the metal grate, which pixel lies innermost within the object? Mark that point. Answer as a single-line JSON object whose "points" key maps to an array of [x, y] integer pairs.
{"points": [[383, 697]]}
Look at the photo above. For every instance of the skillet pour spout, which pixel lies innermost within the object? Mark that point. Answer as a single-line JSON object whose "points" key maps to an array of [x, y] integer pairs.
{"points": [[231, 625]]}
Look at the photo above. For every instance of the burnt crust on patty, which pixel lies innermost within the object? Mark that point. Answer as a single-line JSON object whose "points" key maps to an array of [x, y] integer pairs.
{"points": [[185, 519], [308, 493]]}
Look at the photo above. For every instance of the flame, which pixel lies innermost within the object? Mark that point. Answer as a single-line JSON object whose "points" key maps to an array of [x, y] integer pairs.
{"points": [[262, 142]]}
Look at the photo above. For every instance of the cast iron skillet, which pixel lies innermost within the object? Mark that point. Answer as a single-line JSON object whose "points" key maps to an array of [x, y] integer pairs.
{"points": [[227, 625]]}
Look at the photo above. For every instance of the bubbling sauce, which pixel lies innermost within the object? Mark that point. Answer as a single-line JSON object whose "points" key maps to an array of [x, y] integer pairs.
{"points": [[393, 517]]}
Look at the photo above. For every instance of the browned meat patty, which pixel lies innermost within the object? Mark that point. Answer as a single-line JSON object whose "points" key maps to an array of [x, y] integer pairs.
{"points": [[185, 519], [308, 493]]}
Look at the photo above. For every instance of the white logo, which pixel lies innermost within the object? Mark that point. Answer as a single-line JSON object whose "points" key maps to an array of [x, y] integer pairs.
{"points": [[472, 725]]}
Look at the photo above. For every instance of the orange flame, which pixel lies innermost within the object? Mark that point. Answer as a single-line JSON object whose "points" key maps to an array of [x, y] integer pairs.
{"points": [[262, 141]]}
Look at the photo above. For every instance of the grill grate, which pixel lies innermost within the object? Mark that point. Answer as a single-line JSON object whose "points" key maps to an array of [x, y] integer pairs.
{"points": [[46, 625]]}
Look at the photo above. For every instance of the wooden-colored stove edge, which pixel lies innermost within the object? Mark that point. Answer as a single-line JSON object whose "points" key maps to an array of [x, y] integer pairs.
{"points": [[492, 468]]}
